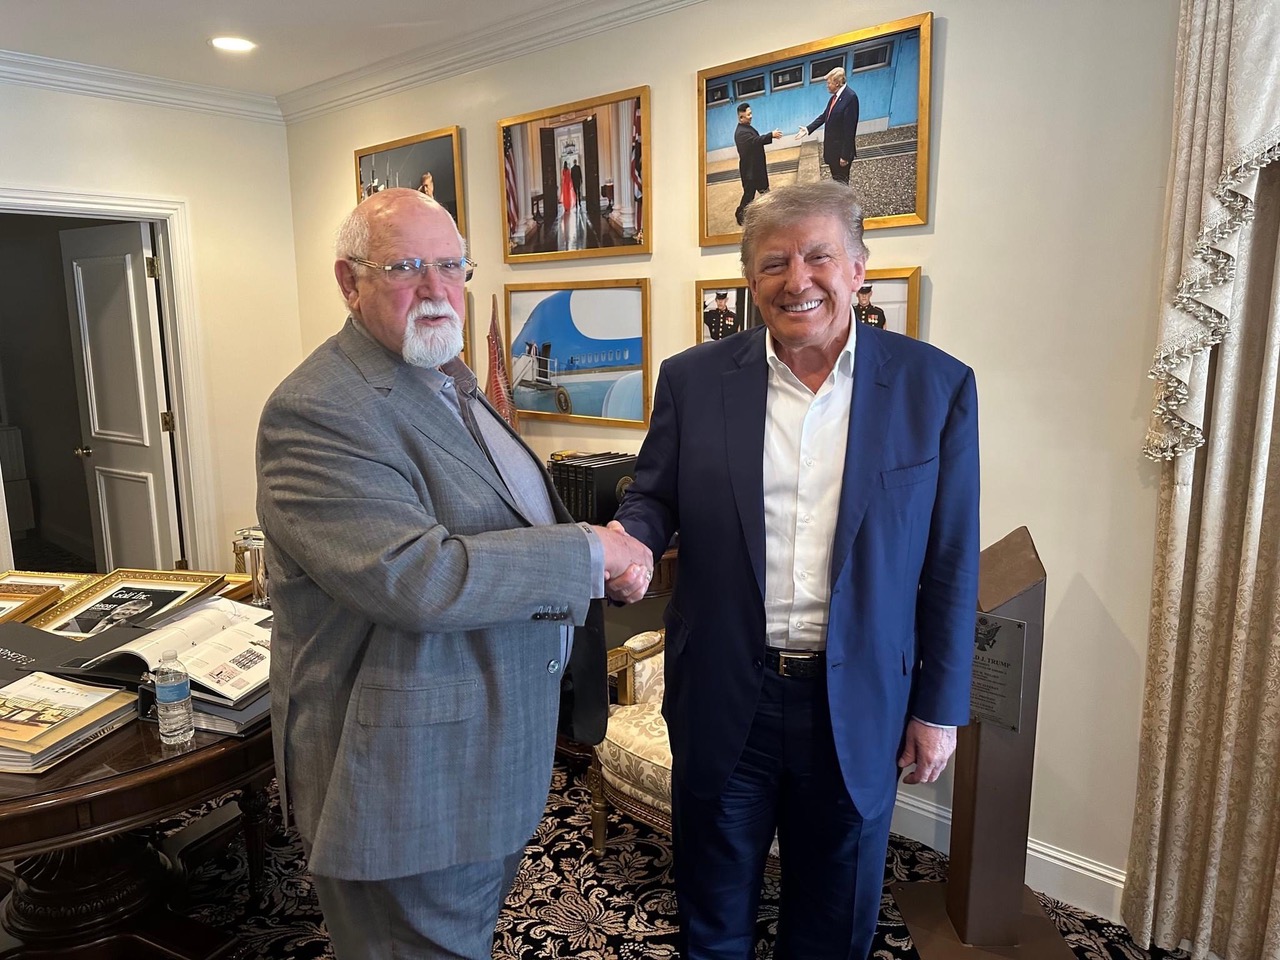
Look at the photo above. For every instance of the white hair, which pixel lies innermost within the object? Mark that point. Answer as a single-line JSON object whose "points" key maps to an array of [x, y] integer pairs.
{"points": [[354, 234]]}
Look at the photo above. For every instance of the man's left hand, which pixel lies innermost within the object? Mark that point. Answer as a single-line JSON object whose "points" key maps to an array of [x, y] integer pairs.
{"points": [[929, 748], [844, 163]]}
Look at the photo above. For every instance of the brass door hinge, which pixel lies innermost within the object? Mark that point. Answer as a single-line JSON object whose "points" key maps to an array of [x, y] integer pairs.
{"points": [[166, 421], [153, 267]]}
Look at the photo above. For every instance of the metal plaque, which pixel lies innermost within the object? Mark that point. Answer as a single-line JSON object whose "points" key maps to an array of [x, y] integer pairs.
{"points": [[996, 694]]}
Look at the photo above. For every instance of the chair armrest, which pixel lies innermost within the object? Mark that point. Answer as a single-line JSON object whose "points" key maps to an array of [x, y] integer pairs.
{"points": [[637, 654]]}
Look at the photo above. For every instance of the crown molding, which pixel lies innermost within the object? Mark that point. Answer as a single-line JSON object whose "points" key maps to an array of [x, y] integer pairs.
{"points": [[482, 48], [86, 80]]}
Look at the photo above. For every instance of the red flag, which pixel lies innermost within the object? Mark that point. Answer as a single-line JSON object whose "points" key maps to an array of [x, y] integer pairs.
{"points": [[498, 387], [636, 181], [513, 208]]}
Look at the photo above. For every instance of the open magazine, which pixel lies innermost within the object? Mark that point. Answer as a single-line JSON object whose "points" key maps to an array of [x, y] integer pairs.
{"points": [[225, 647]]}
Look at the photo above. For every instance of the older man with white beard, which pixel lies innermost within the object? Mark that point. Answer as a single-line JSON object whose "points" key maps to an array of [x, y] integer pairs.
{"points": [[433, 605]]}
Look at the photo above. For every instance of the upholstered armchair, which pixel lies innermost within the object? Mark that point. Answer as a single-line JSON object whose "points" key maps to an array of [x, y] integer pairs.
{"points": [[631, 767]]}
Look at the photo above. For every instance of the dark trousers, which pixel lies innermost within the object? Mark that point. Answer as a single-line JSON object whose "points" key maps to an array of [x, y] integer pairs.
{"points": [[840, 173], [748, 194], [788, 778]]}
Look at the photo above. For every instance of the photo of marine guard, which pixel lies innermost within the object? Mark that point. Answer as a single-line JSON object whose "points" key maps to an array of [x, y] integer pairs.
{"points": [[853, 109], [866, 311], [725, 307], [720, 322]]}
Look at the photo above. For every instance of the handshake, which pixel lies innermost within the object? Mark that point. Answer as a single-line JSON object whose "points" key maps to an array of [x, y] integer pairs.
{"points": [[628, 563]]}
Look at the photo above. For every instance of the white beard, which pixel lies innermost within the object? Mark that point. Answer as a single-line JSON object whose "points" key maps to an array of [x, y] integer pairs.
{"points": [[432, 346]]}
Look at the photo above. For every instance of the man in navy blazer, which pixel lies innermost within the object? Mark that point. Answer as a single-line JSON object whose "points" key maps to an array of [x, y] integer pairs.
{"points": [[823, 477], [839, 147]]}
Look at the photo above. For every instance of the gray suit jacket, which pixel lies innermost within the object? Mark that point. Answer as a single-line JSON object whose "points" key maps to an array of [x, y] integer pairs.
{"points": [[415, 669]]}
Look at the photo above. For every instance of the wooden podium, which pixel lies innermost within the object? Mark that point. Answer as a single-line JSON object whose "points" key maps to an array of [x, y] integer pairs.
{"points": [[984, 910]]}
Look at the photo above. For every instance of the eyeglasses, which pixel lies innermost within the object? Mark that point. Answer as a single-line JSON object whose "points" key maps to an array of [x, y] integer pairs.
{"points": [[405, 272]]}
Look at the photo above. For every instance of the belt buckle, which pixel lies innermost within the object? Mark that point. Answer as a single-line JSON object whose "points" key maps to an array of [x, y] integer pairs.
{"points": [[783, 657]]}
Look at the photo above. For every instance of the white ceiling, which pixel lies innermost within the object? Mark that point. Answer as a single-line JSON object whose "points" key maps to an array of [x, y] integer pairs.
{"points": [[301, 44]]}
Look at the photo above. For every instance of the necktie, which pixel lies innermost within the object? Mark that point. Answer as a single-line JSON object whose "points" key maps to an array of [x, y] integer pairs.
{"points": [[466, 391], [830, 103]]}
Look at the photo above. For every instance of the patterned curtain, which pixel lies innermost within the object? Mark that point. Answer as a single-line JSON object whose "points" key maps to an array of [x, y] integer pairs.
{"points": [[1206, 836]]}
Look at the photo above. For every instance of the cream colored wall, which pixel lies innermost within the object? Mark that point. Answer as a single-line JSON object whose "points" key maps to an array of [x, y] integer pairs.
{"points": [[1051, 132], [233, 176]]}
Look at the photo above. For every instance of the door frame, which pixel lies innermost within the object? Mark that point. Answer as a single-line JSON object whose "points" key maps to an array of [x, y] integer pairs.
{"points": [[196, 490]]}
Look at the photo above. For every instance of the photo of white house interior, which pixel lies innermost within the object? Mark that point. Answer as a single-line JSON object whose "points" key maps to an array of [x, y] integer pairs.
{"points": [[202, 333]]}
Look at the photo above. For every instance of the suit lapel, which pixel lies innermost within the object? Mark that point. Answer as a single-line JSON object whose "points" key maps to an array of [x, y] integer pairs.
{"points": [[869, 415], [744, 390], [406, 388]]}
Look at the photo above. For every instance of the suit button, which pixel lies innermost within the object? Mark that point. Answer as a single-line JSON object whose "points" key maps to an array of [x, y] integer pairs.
{"points": [[553, 666], [757, 663]]}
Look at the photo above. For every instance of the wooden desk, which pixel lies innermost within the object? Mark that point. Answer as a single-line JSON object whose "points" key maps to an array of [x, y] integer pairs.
{"points": [[89, 874]]}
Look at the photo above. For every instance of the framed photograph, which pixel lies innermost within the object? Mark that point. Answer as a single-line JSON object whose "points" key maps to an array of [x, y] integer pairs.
{"points": [[123, 596], [430, 162], [724, 308], [579, 351], [854, 107], [889, 298], [575, 178], [892, 296], [22, 601], [69, 583]]}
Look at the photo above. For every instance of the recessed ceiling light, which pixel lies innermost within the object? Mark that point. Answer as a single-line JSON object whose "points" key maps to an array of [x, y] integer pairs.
{"points": [[233, 44]]}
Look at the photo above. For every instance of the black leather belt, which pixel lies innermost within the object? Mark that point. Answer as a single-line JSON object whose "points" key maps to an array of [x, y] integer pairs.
{"points": [[801, 664]]}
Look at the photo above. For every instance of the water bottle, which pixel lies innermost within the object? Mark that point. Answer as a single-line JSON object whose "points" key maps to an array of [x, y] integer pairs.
{"points": [[173, 699]]}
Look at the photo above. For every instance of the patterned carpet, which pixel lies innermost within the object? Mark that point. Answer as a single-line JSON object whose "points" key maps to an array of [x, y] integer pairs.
{"points": [[568, 904]]}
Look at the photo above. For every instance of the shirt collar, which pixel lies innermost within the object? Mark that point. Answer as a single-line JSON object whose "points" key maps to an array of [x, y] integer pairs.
{"points": [[844, 362]]}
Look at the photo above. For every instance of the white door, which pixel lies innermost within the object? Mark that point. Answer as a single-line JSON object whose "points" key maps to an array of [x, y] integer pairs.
{"points": [[115, 340]]}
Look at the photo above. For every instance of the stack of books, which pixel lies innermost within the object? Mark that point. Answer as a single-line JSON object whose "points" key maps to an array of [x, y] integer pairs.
{"points": [[44, 719], [592, 484], [59, 693]]}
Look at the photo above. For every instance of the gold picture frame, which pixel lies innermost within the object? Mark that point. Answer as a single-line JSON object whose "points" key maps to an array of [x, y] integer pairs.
{"points": [[123, 596], [707, 325], [901, 305], [239, 586], [607, 138], [579, 351], [785, 88], [407, 162], [69, 583], [22, 601]]}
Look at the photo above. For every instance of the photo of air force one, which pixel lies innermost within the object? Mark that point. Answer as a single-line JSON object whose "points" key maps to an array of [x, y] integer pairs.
{"points": [[579, 352]]}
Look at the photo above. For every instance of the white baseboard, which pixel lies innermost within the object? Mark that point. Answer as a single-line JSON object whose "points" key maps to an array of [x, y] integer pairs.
{"points": [[1063, 875]]}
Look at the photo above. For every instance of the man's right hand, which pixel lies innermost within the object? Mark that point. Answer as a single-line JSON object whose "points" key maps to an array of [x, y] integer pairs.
{"points": [[628, 564], [804, 132]]}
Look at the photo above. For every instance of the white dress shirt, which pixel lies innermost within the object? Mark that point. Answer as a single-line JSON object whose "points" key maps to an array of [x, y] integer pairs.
{"points": [[805, 438], [805, 435]]}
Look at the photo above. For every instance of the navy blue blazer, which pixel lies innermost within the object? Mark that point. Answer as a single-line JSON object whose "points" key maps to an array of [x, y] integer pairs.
{"points": [[904, 567], [840, 143]]}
